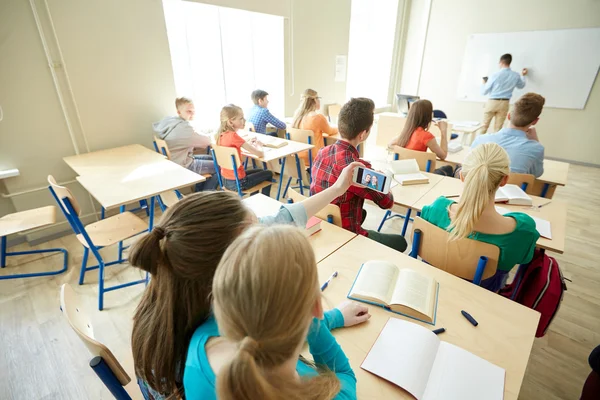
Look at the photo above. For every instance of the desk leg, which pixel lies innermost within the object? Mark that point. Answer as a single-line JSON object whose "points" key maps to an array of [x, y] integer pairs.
{"points": [[545, 190], [151, 215], [121, 210], [406, 221], [281, 177]]}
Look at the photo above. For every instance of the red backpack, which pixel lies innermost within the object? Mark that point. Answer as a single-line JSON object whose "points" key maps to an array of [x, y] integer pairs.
{"points": [[538, 285]]}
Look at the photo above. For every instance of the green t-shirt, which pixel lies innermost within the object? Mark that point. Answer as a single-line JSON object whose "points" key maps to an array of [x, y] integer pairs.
{"points": [[516, 247]]}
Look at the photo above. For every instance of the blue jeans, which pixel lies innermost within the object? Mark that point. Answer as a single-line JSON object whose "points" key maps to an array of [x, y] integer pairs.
{"points": [[204, 164], [253, 178]]}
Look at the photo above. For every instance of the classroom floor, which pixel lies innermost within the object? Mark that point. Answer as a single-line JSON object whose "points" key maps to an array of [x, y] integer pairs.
{"points": [[41, 358]]}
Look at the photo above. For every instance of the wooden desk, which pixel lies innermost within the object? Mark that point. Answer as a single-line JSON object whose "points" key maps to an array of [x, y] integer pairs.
{"points": [[408, 196], [117, 160], [326, 241], [555, 211], [504, 335]]}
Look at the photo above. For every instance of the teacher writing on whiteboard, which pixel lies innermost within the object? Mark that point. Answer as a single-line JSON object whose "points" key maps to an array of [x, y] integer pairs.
{"points": [[500, 87]]}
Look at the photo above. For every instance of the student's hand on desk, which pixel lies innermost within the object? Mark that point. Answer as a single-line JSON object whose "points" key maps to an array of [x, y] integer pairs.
{"points": [[353, 313], [344, 181]]}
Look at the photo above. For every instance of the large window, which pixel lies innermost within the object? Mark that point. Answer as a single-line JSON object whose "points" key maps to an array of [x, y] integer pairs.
{"points": [[220, 55], [371, 49]]}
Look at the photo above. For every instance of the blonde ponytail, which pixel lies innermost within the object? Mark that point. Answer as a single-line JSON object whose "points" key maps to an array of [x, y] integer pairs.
{"points": [[308, 104], [264, 291], [227, 112], [483, 170]]}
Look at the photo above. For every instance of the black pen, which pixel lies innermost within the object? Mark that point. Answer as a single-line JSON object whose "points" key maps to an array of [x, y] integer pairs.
{"points": [[469, 318], [438, 331]]}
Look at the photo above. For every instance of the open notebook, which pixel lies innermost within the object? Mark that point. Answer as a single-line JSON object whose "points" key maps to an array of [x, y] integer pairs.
{"points": [[512, 194], [403, 291], [541, 225], [414, 358], [272, 142], [406, 172]]}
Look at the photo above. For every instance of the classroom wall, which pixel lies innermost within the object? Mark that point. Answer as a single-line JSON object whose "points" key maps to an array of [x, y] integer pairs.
{"points": [[566, 134]]}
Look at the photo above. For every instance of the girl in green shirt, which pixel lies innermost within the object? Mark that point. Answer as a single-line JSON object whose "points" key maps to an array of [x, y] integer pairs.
{"points": [[484, 170]]}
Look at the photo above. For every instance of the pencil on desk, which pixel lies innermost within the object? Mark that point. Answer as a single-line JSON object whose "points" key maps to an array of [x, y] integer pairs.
{"points": [[450, 196]]}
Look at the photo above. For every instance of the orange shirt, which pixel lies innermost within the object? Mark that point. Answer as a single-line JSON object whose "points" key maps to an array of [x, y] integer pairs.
{"points": [[232, 139], [419, 139], [319, 125]]}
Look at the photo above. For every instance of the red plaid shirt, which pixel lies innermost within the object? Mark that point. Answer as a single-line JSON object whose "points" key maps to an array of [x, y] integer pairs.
{"points": [[328, 165]]}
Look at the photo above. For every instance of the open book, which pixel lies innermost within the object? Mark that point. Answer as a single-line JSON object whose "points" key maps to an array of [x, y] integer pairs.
{"points": [[406, 172], [414, 358], [402, 291], [273, 142], [541, 225], [512, 194]]}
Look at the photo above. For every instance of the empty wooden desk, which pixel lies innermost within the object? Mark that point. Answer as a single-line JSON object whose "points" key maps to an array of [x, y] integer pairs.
{"points": [[504, 335], [119, 159], [326, 241]]}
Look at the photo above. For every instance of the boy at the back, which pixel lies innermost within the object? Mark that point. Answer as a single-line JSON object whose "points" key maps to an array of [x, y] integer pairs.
{"points": [[182, 139], [520, 139], [354, 124], [260, 115]]}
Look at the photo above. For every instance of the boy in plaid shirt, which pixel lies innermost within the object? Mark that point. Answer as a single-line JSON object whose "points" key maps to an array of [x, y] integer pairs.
{"points": [[354, 124]]}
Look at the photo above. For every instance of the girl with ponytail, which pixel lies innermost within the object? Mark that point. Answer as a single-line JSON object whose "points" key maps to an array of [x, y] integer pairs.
{"points": [[484, 170], [266, 300], [182, 254]]}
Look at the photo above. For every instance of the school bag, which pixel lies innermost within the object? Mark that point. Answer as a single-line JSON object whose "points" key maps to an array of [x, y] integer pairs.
{"points": [[539, 285]]}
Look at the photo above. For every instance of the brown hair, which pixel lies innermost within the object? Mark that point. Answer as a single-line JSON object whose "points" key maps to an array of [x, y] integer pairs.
{"points": [[506, 59], [527, 109], [181, 253], [419, 115], [308, 103], [258, 95], [265, 289], [227, 112], [356, 116], [180, 101]]}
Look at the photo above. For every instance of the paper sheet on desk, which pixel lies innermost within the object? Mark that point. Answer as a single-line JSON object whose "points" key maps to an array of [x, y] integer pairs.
{"points": [[541, 225]]}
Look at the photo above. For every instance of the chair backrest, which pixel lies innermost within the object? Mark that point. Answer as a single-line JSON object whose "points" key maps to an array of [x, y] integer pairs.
{"points": [[250, 126], [329, 209], [223, 157], [62, 192], [333, 110], [301, 135], [388, 127], [521, 179], [81, 324], [439, 114], [161, 147], [423, 157], [457, 257]]}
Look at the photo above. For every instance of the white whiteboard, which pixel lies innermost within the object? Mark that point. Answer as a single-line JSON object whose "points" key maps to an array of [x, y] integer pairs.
{"points": [[562, 64]]}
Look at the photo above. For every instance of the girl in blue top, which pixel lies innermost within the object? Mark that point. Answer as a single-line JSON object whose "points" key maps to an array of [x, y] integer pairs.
{"points": [[266, 300], [181, 254]]}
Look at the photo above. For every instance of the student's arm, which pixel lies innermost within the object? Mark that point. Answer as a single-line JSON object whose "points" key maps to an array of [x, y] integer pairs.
{"points": [[395, 142], [441, 149], [277, 123], [326, 351], [487, 87], [538, 166], [325, 127], [522, 80], [348, 313], [254, 150]]}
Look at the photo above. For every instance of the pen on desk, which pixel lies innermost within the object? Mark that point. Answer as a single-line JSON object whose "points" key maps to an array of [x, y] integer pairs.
{"points": [[542, 205], [469, 318], [438, 331], [449, 196], [324, 286]]}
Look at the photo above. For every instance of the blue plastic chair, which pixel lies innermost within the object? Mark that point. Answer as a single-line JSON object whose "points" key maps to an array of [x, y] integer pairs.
{"points": [[466, 258], [439, 114], [302, 136], [103, 362], [24, 221], [229, 159], [98, 235]]}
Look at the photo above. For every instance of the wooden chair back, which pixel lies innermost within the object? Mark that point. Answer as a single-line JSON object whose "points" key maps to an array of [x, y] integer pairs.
{"points": [[162, 147], [301, 135], [422, 157], [61, 193], [333, 111], [388, 127], [457, 257], [250, 126], [520, 179], [224, 154], [81, 324], [329, 209]]}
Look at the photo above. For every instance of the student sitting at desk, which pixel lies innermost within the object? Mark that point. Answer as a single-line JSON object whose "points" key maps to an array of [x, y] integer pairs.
{"points": [[355, 122], [181, 253], [520, 140], [260, 115], [307, 117], [475, 216], [232, 119], [182, 139], [416, 136], [266, 298]]}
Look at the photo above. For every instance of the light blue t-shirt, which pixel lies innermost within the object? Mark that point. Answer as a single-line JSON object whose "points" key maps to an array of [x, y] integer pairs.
{"points": [[199, 380], [526, 155], [502, 83]]}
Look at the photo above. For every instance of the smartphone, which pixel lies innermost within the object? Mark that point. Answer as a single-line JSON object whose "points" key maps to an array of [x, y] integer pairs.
{"points": [[368, 178]]}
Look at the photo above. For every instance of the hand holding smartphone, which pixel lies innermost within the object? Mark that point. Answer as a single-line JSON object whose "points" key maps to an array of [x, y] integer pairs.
{"points": [[372, 179]]}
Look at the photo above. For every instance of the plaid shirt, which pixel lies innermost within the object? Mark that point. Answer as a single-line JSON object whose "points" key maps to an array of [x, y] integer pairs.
{"points": [[260, 116], [328, 165]]}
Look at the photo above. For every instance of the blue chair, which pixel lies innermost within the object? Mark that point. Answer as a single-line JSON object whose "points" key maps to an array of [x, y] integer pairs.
{"points": [[98, 235], [466, 258], [302, 136], [439, 114], [103, 362], [426, 163], [161, 147], [24, 221], [228, 158]]}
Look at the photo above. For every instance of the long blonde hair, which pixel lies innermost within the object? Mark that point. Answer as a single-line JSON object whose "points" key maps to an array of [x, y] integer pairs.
{"points": [[308, 104], [227, 112], [264, 290], [483, 170]]}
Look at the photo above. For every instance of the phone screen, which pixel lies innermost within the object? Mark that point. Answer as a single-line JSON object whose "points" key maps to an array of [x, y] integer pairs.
{"points": [[371, 179]]}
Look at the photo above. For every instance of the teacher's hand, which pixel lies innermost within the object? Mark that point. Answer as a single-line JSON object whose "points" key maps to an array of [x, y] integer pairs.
{"points": [[524, 71]]}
